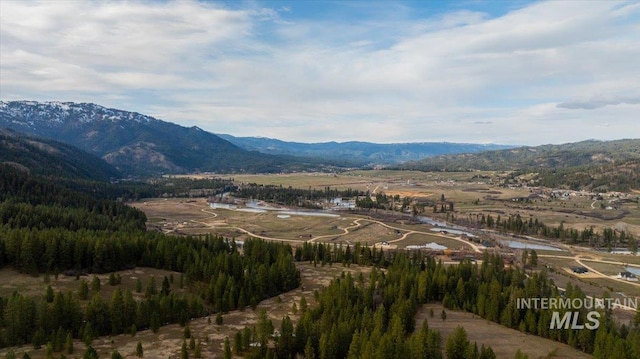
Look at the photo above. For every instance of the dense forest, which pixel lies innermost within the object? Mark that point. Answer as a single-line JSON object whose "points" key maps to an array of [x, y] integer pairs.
{"points": [[49, 228], [374, 317], [46, 157]]}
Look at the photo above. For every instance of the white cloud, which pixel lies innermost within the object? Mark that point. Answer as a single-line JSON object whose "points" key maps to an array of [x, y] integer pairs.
{"points": [[386, 77]]}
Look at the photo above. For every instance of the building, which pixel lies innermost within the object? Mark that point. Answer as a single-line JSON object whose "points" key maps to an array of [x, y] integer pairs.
{"points": [[628, 276], [579, 270]]}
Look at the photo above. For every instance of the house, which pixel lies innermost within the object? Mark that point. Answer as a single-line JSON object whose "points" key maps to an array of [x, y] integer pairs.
{"points": [[628, 276], [579, 270]]}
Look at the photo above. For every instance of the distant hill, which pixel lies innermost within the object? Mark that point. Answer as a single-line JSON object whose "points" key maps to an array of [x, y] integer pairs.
{"points": [[591, 164], [137, 144], [361, 152], [45, 157]]}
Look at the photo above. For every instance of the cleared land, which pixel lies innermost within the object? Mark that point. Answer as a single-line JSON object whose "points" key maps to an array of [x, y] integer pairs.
{"points": [[504, 341], [346, 229]]}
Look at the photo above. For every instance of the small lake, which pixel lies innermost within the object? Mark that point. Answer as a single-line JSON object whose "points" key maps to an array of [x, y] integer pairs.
{"points": [[432, 222], [315, 214], [520, 245], [634, 270], [454, 231]]}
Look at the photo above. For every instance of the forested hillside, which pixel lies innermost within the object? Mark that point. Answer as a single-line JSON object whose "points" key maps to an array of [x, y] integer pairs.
{"points": [[49, 228], [374, 317], [607, 165], [46, 157]]}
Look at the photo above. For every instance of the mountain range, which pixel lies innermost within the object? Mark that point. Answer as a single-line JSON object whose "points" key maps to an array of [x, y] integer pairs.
{"points": [[590, 152], [136, 144], [125, 144], [366, 153]]}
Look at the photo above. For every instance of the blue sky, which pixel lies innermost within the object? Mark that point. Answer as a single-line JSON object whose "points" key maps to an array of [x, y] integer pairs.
{"points": [[515, 72]]}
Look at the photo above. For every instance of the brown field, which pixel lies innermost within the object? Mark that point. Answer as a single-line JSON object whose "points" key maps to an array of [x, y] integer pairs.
{"points": [[575, 211], [196, 217], [36, 286], [504, 341]]}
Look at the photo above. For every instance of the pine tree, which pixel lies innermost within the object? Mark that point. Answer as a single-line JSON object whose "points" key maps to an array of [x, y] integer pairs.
{"points": [[95, 284], [49, 295], [264, 327], [166, 286], [116, 310], [151, 288], [154, 322], [69, 343], [237, 343], [48, 351], [83, 290], [197, 353], [139, 350], [90, 353], [457, 344], [227, 349], [309, 352], [184, 354]]}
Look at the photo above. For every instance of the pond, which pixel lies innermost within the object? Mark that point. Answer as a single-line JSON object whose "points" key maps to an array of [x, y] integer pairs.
{"points": [[520, 245], [454, 231], [634, 270]]}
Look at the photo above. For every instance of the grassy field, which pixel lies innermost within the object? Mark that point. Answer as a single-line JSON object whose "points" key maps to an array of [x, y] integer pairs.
{"points": [[504, 341], [605, 268], [471, 195], [36, 286]]}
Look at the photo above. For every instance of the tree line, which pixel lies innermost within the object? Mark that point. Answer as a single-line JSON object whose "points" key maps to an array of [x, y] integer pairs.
{"points": [[290, 196]]}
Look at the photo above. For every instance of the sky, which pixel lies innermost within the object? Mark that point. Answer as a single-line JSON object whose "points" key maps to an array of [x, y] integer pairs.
{"points": [[509, 72]]}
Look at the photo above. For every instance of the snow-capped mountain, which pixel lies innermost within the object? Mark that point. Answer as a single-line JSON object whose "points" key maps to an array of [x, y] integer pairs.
{"points": [[132, 142]]}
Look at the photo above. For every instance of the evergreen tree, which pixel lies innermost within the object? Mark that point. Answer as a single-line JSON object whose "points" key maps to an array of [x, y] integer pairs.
{"points": [[83, 290], [95, 284], [227, 349], [90, 353], [49, 294], [457, 345], [69, 343], [197, 353], [184, 353]]}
